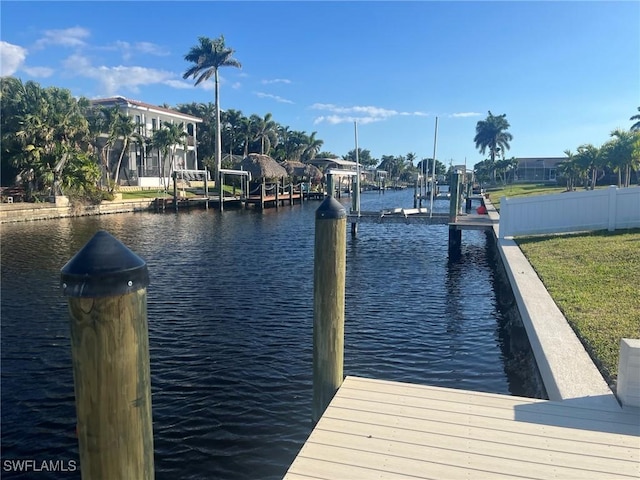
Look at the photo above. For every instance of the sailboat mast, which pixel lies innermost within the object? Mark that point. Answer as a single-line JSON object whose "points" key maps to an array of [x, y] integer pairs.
{"points": [[356, 197], [433, 169]]}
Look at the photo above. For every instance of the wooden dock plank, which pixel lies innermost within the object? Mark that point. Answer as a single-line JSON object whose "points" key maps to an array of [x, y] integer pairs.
{"points": [[379, 429]]}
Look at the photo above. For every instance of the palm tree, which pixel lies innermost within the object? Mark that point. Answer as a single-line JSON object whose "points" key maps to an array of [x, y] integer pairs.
{"points": [[265, 131], [165, 140], [312, 147], [208, 56], [492, 134], [589, 159], [636, 126], [619, 153], [569, 170], [126, 130]]}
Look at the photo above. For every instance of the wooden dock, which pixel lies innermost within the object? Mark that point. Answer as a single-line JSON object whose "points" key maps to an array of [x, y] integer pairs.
{"points": [[469, 221], [390, 430]]}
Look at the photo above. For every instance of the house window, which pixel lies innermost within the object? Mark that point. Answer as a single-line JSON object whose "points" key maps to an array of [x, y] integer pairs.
{"points": [[154, 124]]}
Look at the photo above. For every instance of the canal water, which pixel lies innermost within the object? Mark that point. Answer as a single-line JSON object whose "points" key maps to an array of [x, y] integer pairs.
{"points": [[230, 308]]}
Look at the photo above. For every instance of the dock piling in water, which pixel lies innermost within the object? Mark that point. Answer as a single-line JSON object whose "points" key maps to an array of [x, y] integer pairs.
{"points": [[106, 285], [328, 303]]}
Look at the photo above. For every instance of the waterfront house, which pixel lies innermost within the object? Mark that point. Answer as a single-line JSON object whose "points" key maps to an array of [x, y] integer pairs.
{"points": [[538, 170], [142, 166]]}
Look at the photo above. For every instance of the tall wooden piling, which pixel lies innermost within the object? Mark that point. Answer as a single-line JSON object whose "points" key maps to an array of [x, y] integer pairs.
{"points": [[221, 183], [330, 185], [206, 188], [455, 234], [328, 303], [106, 285]]}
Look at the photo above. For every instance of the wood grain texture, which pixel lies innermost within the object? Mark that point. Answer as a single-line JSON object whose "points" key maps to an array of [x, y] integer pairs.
{"points": [[328, 311], [110, 350]]}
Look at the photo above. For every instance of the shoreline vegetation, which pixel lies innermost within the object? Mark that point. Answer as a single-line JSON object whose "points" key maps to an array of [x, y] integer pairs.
{"points": [[593, 277]]}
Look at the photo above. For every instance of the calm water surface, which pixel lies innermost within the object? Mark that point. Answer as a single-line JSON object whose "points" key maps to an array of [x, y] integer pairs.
{"points": [[230, 309]]}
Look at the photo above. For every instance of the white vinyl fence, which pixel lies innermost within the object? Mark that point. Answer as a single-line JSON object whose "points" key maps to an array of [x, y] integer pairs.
{"points": [[612, 208]]}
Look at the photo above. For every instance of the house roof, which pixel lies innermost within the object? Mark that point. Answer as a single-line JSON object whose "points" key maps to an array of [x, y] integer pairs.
{"points": [[126, 102]]}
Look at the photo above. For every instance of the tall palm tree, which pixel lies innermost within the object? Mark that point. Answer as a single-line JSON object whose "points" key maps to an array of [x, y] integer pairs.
{"points": [[492, 134], [208, 56], [636, 126]]}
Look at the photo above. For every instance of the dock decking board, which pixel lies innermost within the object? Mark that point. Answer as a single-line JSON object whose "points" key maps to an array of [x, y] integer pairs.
{"points": [[380, 429]]}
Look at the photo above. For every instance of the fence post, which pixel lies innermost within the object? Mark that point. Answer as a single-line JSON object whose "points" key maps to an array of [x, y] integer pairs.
{"points": [[106, 285], [328, 303], [613, 197], [503, 223]]}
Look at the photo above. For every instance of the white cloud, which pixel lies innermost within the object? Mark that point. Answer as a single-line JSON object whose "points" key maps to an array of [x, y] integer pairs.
{"points": [[11, 58], [68, 37], [39, 72], [465, 114], [180, 84], [114, 79], [361, 114], [276, 80], [144, 48], [236, 85], [273, 97]]}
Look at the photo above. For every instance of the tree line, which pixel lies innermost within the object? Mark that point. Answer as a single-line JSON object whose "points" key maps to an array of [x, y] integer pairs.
{"points": [[620, 155]]}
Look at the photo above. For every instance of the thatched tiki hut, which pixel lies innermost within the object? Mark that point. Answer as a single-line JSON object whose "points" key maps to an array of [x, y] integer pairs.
{"points": [[303, 171], [263, 168]]}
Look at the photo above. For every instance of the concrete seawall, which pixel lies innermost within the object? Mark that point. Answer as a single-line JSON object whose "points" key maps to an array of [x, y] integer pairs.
{"points": [[24, 212], [567, 370]]}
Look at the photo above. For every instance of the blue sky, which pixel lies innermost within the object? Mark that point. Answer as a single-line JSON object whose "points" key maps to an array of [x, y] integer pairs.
{"points": [[565, 73]]}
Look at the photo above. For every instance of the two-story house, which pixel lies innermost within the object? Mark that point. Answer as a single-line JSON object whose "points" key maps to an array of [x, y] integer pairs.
{"points": [[143, 166]]}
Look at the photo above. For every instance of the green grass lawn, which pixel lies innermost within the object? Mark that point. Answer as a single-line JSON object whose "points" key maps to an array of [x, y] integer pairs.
{"points": [[159, 193], [520, 190], [594, 279]]}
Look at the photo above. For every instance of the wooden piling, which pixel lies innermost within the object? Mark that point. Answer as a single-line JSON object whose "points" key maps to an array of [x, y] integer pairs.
{"points": [[206, 188], [328, 303], [277, 193], [330, 185], [175, 191], [106, 285], [221, 182]]}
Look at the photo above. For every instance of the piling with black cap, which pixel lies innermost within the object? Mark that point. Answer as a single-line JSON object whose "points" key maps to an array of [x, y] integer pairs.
{"points": [[328, 302], [106, 285], [455, 234]]}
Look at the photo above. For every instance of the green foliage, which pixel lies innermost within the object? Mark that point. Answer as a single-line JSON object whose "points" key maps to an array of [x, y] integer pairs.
{"points": [[492, 134], [41, 129]]}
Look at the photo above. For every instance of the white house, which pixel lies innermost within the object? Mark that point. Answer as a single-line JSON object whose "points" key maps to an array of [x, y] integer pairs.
{"points": [[142, 166]]}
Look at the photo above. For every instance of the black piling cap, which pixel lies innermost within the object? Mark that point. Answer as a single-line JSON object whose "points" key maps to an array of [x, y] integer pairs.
{"points": [[330, 209], [104, 267]]}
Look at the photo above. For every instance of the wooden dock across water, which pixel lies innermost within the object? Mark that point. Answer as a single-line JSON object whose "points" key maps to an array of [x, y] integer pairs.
{"points": [[470, 221], [390, 430]]}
